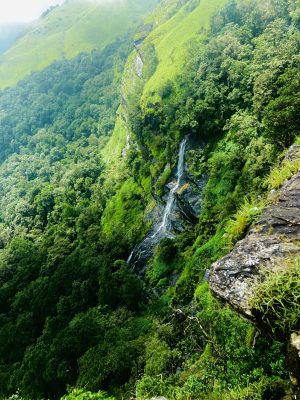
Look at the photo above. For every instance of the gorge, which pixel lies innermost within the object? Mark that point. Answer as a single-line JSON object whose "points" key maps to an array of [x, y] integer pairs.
{"points": [[161, 229]]}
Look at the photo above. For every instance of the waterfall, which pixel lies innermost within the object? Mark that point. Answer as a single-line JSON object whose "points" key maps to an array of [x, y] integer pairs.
{"points": [[144, 250], [171, 198]]}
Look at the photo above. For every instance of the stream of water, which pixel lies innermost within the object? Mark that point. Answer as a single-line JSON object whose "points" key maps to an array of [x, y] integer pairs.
{"points": [[144, 249]]}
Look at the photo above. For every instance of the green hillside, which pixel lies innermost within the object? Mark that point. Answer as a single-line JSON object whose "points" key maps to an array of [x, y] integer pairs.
{"points": [[172, 41], [127, 168], [69, 29], [178, 27]]}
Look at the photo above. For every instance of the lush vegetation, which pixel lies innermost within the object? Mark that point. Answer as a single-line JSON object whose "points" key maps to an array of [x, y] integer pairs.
{"points": [[65, 31], [59, 278], [237, 92], [87, 147], [276, 299]]}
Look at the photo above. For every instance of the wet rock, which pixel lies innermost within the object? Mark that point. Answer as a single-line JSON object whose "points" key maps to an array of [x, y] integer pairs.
{"points": [[138, 65], [143, 32], [187, 205], [179, 209], [189, 199]]}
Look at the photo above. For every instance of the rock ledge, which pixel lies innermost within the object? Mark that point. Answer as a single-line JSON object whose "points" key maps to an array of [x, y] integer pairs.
{"points": [[275, 237]]}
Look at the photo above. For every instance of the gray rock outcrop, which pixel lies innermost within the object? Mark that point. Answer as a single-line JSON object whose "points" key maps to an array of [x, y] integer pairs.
{"points": [[275, 237]]}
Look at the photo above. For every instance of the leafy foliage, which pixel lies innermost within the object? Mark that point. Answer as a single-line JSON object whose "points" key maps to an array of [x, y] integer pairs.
{"points": [[77, 181], [276, 299], [61, 289], [80, 394], [64, 32]]}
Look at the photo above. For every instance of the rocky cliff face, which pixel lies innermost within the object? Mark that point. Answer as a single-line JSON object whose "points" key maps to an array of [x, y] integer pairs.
{"points": [[275, 237]]}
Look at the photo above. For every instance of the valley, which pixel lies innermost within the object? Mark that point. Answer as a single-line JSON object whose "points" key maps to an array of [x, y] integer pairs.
{"points": [[144, 145]]}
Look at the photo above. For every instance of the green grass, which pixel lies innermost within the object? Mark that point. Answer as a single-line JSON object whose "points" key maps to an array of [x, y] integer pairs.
{"points": [[113, 156], [171, 41], [284, 172], [248, 213], [74, 27], [276, 299]]}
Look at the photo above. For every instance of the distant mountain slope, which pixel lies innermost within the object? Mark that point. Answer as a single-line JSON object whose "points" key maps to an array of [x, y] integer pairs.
{"points": [[74, 27], [8, 35]]}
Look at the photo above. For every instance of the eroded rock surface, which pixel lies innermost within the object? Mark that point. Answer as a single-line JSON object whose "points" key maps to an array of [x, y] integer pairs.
{"points": [[274, 238]]}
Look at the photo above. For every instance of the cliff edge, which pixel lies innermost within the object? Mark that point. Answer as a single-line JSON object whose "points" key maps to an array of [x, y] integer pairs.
{"points": [[276, 236], [263, 252]]}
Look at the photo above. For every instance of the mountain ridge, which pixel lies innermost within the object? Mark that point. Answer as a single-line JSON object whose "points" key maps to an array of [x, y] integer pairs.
{"points": [[67, 30]]}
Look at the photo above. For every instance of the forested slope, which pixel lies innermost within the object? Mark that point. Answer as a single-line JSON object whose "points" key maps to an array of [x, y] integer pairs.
{"points": [[64, 31], [89, 148]]}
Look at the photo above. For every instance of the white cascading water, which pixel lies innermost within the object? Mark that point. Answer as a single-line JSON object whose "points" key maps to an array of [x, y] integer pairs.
{"points": [[145, 248], [170, 202]]}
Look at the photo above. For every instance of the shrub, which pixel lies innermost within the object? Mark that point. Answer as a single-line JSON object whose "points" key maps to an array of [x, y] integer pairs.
{"points": [[281, 116], [81, 394], [276, 299], [264, 389], [166, 250], [149, 386], [280, 174], [243, 219]]}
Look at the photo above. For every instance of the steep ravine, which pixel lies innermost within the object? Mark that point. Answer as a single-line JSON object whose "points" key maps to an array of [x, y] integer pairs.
{"points": [[178, 207]]}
